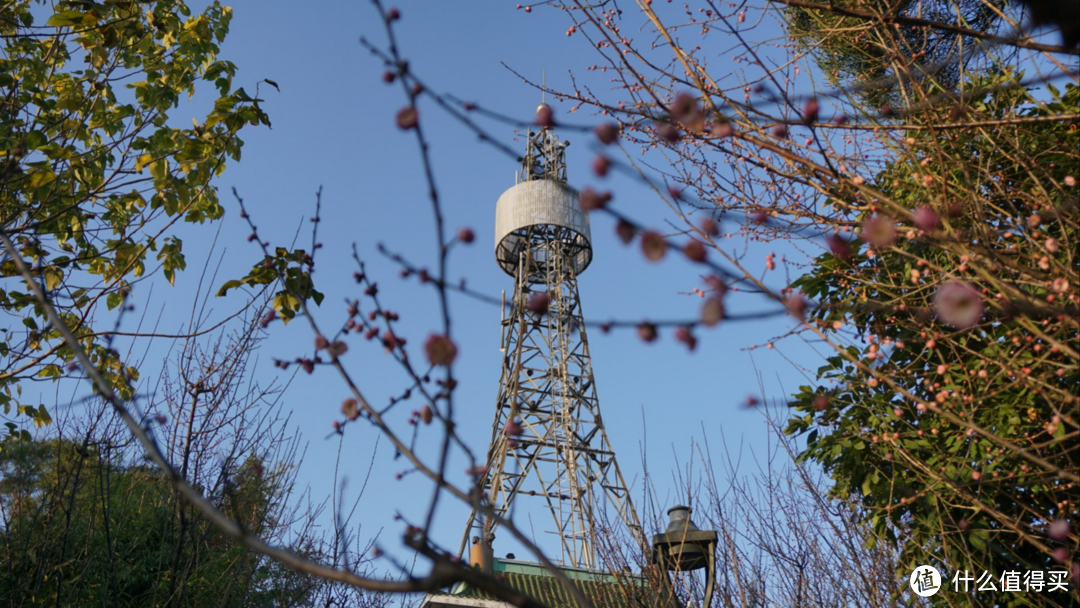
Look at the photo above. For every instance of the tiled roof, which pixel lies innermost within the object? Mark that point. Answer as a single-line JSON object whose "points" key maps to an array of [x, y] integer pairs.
{"points": [[548, 590], [603, 590]]}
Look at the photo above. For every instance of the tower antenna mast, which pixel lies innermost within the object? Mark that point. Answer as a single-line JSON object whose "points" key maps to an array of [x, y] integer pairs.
{"points": [[548, 442]]}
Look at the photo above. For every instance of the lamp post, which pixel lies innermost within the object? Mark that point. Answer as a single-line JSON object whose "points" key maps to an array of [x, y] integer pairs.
{"points": [[683, 548]]}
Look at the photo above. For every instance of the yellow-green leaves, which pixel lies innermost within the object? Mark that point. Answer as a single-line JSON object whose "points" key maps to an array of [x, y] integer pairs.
{"points": [[73, 19], [284, 269], [93, 184]]}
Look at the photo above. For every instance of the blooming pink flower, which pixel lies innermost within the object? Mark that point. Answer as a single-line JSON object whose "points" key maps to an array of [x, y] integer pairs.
{"points": [[957, 303]]}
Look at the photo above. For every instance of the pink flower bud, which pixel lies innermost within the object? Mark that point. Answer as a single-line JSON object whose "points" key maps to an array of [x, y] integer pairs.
{"points": [[926, 219], [647, 332], [695, 251], [407, 118], [350, 408], [607, 133], [653, 245], [440, 350]]}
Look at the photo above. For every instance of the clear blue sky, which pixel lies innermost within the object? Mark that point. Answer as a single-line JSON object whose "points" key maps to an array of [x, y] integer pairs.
{"points": [[333, 128]]}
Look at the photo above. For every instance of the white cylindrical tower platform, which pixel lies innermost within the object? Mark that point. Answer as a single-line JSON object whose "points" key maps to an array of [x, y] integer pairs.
{"points": [[539, 205]]}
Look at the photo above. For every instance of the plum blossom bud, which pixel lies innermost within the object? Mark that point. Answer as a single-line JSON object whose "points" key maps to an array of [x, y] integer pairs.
{"points": [[545, 116], [539, 302], [926, 219], [647, 332], [694, 250], [625, 231], [440, 350], [1059, 530], [712, 311], [879, 231], [722, 129], [426, 414], [466, 235], [667, 132], [709, 226], [350, 408], [607, 133], [600, 165], [591, 200], [337, 348], [839, 246], [957, 303], [407, 118], [810, 110], [653, 245], [821, 403], [796, 305], [1052, 245], [321, 342], [683, 334]]}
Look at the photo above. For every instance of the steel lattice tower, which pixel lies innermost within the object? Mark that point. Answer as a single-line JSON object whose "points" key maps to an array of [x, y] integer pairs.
{"points": [[562, 456]]}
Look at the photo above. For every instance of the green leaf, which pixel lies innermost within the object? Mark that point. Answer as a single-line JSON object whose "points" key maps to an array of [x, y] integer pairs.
{"points": [[67, 19], [114, 299], [233, 284], [53, 277]]}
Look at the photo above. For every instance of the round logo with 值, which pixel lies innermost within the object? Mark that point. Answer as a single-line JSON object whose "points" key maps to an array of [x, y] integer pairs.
{"points": [[925, 581]]}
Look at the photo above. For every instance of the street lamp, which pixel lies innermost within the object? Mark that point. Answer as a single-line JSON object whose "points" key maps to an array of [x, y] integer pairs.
{"points": [[683, 548]]}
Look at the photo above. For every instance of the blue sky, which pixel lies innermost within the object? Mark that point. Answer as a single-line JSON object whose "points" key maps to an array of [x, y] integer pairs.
{"points": [[333, 128]]}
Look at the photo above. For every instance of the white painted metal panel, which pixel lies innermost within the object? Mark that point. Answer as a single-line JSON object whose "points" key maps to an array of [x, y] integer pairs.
{"points": [[540, 202]]}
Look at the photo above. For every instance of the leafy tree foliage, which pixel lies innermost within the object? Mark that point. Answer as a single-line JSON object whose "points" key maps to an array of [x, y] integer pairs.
{"points": [[856, 44], [95, 173], [954, 422], [82, 527]]}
